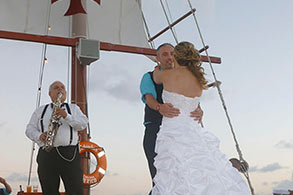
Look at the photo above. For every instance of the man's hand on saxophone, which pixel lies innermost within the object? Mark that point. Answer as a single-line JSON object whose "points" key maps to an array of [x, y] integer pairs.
{"points": [[43, 136], [60, 112]]}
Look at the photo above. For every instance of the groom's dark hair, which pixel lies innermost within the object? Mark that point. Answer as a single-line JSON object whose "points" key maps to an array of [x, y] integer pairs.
{"points": [[163, 45]]}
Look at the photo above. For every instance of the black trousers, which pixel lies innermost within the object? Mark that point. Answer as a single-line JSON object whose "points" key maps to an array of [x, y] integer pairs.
{"points": [[52, 167], [149, 142]]}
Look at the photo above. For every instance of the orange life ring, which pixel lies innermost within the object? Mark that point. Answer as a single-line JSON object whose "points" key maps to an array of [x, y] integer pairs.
{"points": [[99, 153]]}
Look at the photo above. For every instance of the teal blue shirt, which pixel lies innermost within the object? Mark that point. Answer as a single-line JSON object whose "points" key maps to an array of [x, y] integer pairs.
{"points": [[147, 87]]}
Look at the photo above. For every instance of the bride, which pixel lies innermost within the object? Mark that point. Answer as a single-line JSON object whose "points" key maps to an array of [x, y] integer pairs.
{"points": [[188, 160]]}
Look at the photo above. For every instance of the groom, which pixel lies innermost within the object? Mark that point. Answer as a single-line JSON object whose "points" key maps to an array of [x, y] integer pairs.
{"points": [[155, 109]]}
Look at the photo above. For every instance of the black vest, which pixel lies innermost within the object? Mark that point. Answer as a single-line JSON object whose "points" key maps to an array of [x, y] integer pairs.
{"points": [[150, 114]]}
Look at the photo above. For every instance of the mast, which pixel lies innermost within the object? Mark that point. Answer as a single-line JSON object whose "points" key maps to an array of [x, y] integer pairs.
{"points": [[79, 84]]}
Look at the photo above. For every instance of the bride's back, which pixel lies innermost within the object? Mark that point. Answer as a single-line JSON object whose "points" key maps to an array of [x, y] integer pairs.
{"points": [[181, 80], [188, 76]]}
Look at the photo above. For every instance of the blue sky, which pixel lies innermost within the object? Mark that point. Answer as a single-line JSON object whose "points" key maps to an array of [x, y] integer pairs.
{"points": [[253, 38]]}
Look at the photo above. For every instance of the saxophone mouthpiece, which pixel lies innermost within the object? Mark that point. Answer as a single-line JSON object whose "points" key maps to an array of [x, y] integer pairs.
{"points": [[60, 94]]}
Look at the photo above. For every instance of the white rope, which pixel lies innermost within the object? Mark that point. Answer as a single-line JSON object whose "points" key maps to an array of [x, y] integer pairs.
{"points": [[222, 100], [86, 99], [68, 72], [41, 74], [69, 60], [146, 27], [169, 23], [170, 16], [26, 15]]}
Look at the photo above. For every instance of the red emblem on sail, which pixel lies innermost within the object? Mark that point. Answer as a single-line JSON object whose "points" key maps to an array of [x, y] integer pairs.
{"points": [[75, 7]]}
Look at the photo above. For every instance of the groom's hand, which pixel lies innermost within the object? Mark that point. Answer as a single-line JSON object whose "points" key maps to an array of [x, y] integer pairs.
{"points": [[168, 110], [197, 114]]}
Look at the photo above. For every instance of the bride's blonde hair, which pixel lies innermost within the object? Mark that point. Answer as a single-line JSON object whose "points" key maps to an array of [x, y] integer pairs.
{"points": [[186, 55]]}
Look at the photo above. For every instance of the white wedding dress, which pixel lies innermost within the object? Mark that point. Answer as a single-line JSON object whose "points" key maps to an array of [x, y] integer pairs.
{"points": [[188, 160]]}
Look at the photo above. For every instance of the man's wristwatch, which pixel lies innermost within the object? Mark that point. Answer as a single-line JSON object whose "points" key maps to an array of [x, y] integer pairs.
{"points": [[158, 106]]}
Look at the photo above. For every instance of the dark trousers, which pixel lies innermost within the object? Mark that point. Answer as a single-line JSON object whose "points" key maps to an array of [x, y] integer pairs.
{"points": [[149, 142], [51, 167]]}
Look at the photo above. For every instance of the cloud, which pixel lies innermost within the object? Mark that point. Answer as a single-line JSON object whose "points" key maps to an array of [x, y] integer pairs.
{"points": [[261, 193], [267, 168], [253, 169], [2, 124], [285, 184], [265, 183], [284, 144], [109, 173], [116, 82], [18, 177], [271, 167]]}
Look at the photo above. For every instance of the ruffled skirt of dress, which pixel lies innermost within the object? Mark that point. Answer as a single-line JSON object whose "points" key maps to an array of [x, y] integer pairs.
{"points": [[189, 162]]}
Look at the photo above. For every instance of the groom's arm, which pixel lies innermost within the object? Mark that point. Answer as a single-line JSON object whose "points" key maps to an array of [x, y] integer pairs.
{"points": [[166, 109], [147, 87], [149, 95]]}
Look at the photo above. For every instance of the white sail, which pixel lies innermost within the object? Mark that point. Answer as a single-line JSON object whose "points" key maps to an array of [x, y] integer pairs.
{"points": [[114, 21]]}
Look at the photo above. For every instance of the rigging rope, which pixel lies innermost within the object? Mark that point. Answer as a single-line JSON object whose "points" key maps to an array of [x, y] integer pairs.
{"points": [[86, 90], [146, 27], [169, 12], [41, 74], [68, 68], [69, 58], [223, 102], [39, 93], [169, 23]]}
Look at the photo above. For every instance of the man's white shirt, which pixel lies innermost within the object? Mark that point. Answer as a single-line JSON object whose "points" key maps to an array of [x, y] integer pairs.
{"points": [[77, 120]]}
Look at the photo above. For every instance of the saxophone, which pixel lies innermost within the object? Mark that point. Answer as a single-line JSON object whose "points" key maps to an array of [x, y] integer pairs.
{"points": [[53, 125]]}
